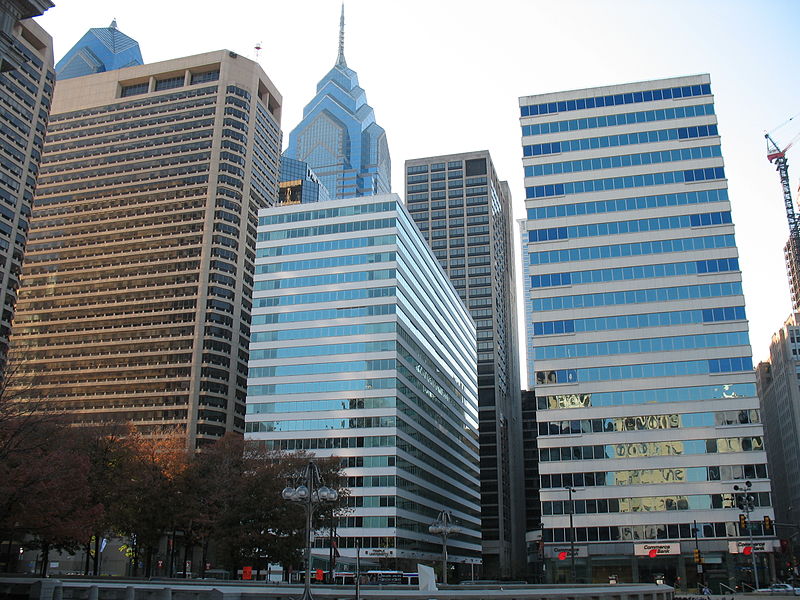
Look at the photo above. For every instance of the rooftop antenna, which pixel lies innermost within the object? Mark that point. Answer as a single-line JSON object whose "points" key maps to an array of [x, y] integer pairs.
{"points": [[340, 59], [258, 49], [113, 23]]}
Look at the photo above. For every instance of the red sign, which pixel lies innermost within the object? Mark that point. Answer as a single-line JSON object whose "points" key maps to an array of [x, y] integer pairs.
{"points": [[319, 575], [247, 572], [747, 550], [562, 556], [653, 553]]}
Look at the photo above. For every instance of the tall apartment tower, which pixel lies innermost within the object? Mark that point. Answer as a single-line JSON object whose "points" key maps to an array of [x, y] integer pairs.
{"points": [[26, 89], [361, 349], [647, 408], [464, 211], [339, 138], [779, 393], [136, 295]]}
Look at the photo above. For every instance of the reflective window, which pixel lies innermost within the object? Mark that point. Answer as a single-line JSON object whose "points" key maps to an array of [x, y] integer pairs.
{"points": [[659, 395]]}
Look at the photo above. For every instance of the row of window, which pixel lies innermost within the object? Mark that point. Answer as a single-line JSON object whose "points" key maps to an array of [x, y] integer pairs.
{"points": [[686, 91], [649, 422], [623, 204], [330, 229], [329, 279], [332, 296], [353, 366], [632, 226], [327, 262], [621, 183], [318, 332], [624, 160], [661, 319], [312, 387], [292, 406], [327, 246], [327, 213], [645, 116], [650, 449], [633, 249], [672, 531], [652, 396], [687, 292], [695, 267], [649, 504], [319, 424], [646, 370], [643, 345], [325, 314], [622, 139], [668, 475]]}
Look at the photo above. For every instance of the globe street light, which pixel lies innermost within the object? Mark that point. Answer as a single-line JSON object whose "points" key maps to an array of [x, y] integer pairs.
{"points": [[443, 525], [310, 492]]}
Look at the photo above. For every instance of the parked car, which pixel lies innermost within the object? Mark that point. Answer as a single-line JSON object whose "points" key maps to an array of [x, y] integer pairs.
{"points": [[780, 588]]}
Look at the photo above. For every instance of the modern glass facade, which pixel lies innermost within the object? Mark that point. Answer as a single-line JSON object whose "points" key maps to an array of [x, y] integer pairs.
{"points": [[26, 89], [299, 184], [637, 334], [464, 212], [361, 349], [100, 49], [339, 138], [136, 292]]}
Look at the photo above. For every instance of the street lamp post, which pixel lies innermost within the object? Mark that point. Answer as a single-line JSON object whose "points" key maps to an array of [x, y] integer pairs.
{"points": [[310, 492], [746, 503], [572, 536], [443, 525]]}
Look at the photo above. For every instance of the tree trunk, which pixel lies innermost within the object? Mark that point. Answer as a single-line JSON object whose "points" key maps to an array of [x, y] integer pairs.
{"points": [[204, 558], [148, 561], [96, 567], [88, 558], [45, 558]]}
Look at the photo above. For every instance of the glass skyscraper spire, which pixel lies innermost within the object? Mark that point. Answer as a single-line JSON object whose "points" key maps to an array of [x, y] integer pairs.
{"points": [[100, 49], [339, 138]]}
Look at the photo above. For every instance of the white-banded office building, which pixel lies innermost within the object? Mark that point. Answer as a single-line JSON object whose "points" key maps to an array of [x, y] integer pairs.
{"points": [[638, 338], [362, 349]]}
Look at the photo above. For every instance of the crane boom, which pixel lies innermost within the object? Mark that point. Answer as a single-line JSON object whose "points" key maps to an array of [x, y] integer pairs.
{"points": [[792, 248]]}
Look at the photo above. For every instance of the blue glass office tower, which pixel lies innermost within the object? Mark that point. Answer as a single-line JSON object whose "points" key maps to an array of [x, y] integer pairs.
{"points": [[100, 49], [339, 138], [299, 184], [361, 349], [637, 335]]}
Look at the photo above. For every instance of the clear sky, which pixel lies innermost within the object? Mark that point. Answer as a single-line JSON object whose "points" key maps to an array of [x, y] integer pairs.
{"points": [[445, 76]]}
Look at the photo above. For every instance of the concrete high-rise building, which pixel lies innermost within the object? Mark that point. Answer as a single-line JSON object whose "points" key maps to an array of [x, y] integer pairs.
{"points": [[464, 211], [647, 409], [339, 138], [361, 349], [779, 392], [101, 49], [26, 89], [136, 294]]}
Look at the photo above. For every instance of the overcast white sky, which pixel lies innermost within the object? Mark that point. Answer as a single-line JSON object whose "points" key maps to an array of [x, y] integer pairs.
{"points": [[445, 76]]}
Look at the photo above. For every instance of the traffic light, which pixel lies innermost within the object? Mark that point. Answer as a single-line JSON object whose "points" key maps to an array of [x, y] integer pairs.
{"points": [[767, 525], [697, 558], [742, 522]]}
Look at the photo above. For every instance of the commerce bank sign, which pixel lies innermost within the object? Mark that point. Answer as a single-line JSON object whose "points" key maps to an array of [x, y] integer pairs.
{"points": [[656, 549]]}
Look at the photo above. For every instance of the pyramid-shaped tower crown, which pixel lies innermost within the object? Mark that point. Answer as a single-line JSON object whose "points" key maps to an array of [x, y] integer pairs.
{"points": [[100, 49]]}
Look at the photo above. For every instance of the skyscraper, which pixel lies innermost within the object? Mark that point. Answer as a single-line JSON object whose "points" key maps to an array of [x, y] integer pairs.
{"points": [[648, 416], [464, 211], [779, 393], [339, 138], [136, 295], [26, 88], [361, 349], [101, 49], [299, 184]]}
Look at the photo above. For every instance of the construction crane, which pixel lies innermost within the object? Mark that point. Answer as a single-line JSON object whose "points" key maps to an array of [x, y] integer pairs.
{"points": [[792, 249]]}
